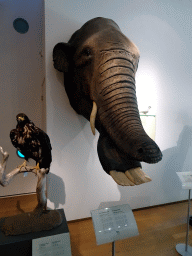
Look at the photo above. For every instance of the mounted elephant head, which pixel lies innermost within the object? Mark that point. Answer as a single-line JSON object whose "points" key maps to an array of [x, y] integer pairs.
{"points": [[99, 65]]}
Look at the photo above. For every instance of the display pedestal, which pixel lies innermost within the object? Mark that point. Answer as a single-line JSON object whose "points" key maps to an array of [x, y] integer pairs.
{"points": [[149, 125], [186, 179], [38, 243]]}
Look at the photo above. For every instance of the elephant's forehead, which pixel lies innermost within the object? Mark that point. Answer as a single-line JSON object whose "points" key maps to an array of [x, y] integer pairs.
{"points": [[92, 27], [105, 39], [115, 38]]}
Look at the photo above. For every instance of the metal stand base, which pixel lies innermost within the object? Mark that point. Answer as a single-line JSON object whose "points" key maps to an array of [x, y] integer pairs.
{"points": [[181, 249], [113, 248], [185, 249]]}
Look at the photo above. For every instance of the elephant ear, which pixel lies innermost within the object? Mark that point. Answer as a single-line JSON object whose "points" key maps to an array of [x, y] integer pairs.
{"points": [[61, 56]]}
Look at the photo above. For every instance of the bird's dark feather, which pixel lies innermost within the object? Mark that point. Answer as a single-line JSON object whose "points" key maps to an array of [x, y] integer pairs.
{"points": [[32, 142]]}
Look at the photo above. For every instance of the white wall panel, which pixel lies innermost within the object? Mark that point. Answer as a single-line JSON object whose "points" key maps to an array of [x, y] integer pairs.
{"points": [[21, 79]]}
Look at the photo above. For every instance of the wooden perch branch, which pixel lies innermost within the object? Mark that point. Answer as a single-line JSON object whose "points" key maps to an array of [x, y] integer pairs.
{"points": [[41, 183]]}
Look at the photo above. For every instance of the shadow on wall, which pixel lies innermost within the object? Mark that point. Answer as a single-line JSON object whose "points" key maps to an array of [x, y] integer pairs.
{"points": [[176, 159], [56, 188], [178, 154]]}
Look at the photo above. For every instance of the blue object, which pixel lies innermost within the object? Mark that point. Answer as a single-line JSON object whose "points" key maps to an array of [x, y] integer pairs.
{"points": [[20, 154], [21, 25]]}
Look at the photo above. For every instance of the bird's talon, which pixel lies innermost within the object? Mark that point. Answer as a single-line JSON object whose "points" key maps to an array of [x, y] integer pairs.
{"points": [[36, 169], [24, 164]]}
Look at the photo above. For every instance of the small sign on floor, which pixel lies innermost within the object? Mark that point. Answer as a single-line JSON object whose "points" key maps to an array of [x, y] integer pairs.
{"points": [[186, 179], [114, 223], [57, 245]]}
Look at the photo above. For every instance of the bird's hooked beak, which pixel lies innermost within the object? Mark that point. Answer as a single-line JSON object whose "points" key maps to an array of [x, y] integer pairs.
{"points": [[20, 118]]}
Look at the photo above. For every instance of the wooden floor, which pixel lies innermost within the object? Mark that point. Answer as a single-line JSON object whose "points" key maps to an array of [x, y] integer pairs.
{"points": [[160, 230]]}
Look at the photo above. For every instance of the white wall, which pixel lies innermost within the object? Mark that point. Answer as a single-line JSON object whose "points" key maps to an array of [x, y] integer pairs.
{"points": [[21, 79], [162, 32]]}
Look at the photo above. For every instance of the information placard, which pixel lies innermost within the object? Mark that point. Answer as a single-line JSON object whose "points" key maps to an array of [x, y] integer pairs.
{"points": [[186, 179], [114, 223], [57, 245]]}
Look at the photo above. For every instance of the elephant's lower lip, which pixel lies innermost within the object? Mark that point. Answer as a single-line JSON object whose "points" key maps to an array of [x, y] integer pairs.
{"points": [[110, 156], [113, 158], [152, 160]]}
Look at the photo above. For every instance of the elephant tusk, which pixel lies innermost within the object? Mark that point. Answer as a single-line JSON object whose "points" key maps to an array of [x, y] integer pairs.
{"points": [[121, 179], [137, 176], [131, 177], [92, 117]]}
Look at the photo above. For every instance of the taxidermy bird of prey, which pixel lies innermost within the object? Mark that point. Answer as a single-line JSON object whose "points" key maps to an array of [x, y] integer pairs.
{"points": [[32, 142]]}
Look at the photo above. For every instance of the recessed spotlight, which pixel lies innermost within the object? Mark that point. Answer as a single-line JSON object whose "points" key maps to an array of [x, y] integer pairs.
{"points": [[21, 25]]}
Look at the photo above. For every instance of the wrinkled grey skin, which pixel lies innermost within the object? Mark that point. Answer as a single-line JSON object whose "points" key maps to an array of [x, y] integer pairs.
{"points": [[99, 64]]}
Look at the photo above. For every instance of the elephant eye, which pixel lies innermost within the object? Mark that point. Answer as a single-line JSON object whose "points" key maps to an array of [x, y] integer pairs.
{"points": [[86, 52], [84, 58]]}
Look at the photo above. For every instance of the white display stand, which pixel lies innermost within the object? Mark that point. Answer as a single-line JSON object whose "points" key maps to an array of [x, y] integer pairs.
{"points": [[114, 223], [149, 124], [186, 180]]}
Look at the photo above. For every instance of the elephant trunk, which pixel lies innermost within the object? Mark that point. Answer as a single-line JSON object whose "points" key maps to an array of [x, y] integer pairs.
{"points": [[118, 110]]}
